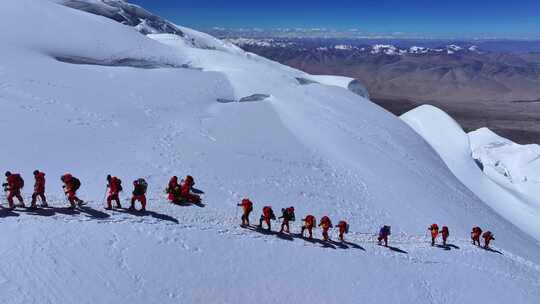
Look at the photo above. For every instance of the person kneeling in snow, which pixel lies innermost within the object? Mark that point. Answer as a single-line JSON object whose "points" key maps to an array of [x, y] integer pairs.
{"points": [[174, 191], [266, 216], [343, 227], [139, 193], [383, 235], [325, 224], [185, 190], [71, 185], [247, 207], [287, 214]]}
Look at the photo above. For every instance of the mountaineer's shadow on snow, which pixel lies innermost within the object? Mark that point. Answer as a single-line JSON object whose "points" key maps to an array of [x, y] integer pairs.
{"points": [[4, 212], [39, 211], [186, 204], [156, 215], [353, 245], [66, 210], [282, 236], [396, 249], [197, 191], [93, 213], [492, 250], [314, 241], [447, 246]]}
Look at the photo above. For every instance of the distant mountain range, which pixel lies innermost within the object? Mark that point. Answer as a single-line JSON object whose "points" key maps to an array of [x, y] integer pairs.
{"points": [[480, 83], [422, 73]]}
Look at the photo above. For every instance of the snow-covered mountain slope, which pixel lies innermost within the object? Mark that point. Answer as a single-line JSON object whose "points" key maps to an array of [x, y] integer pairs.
{"points": [[512, 166], [122, 103], [125, 13], [453, 145]]}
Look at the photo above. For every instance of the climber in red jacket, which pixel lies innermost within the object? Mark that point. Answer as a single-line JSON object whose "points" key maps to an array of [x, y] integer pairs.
{"points": [[325, 224], [14, 184], [173, 189], [445, 233], [267, 215], [71, 185], [185, 189], [247, 207], [115, 187], [475, 235], [309, 224], [39, 189], [488, 237], [343, 227]]}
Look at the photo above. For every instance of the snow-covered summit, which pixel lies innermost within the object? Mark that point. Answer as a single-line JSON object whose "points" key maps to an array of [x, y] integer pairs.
{"points": [[374, 49], [125, 13]]}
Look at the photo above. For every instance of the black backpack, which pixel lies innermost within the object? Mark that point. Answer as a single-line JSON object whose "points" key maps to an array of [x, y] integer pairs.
{"points": [[76, 183], [119, 184], [20, 181], [140, 187]]}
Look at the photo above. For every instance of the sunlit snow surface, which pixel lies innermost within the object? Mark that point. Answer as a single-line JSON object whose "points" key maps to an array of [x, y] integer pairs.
{"points": [[321, 148]]}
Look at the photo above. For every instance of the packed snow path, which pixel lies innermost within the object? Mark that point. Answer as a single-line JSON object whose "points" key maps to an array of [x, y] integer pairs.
{"points": [[318, 147], [196, 248]]}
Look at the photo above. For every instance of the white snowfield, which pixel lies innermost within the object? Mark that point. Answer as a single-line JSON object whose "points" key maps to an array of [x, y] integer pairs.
{"points": [[81, 93], [514, 167], [505, 186]]}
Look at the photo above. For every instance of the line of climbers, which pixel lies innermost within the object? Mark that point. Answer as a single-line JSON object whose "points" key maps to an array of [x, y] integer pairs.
{"points": [[475, 235], [180, 192], [177, 192], [287, 214], [343, 227]]}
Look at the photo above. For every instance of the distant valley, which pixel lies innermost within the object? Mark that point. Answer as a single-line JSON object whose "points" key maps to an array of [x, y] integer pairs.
{"points": [[480, 83]]}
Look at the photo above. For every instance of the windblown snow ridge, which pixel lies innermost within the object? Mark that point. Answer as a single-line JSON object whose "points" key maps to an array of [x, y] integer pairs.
{"points": [[121, 62], [125, 13]]}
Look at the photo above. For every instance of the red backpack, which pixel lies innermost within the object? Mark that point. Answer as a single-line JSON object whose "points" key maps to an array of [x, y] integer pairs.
{"points": [[248, 205], [310, 220], [268, 212]]}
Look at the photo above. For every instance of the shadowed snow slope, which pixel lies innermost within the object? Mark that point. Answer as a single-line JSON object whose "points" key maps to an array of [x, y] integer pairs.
{"points": [[452, 143], [320, 148]]}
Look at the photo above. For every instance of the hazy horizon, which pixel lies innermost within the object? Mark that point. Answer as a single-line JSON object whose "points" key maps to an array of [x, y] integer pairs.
{"points": [[415, 18]]}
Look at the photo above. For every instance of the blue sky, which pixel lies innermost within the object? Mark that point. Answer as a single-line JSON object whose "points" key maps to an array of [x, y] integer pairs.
{"points": [[414, 16]]}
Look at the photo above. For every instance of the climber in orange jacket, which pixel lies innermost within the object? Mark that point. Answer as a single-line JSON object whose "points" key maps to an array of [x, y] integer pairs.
{"points": [[309, 224], [434, 229], [325, 224]]}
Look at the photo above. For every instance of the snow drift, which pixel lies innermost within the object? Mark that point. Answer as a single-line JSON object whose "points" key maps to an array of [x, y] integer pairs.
{"points": [[318, 147], [514, 167], [453, 145]]}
